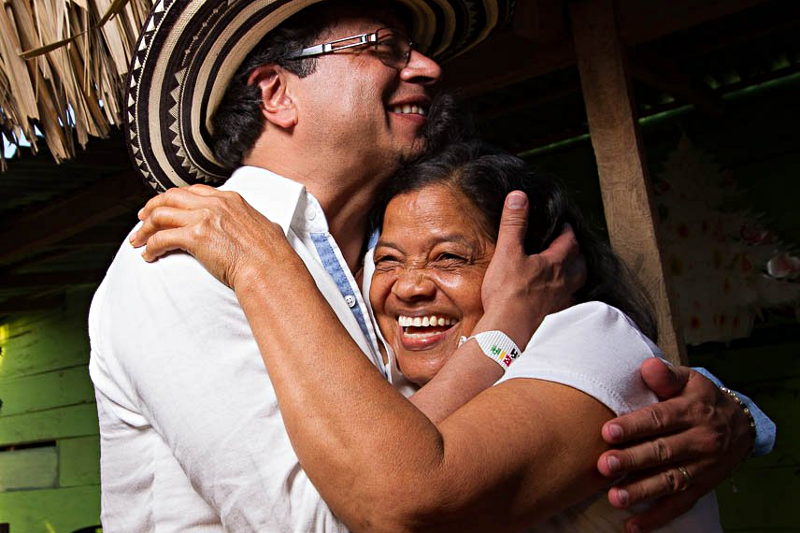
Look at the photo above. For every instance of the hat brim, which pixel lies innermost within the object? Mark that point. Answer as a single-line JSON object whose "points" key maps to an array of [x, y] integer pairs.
{"points": [[190, 49]]}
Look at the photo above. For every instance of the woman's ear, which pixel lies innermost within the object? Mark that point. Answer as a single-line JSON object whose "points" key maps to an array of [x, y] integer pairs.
{"points": [[277, 105]]}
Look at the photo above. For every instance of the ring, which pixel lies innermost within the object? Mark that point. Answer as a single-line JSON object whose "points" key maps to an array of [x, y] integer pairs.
{"points": [[687, 478]]}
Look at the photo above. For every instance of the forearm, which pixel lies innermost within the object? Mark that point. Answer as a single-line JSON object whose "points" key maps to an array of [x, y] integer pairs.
{"points": [[378, 448], [366, 425], [468, 371]]}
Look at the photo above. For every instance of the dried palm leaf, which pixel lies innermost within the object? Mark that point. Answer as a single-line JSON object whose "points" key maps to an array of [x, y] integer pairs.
{"points": [[62, 69]]}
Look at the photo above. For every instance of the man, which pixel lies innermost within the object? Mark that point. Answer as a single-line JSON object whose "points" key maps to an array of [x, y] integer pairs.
{"points": [[192, 438]]}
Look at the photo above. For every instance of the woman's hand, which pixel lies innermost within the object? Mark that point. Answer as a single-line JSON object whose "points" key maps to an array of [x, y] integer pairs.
{"points": [[232, 240], [519, 290]]}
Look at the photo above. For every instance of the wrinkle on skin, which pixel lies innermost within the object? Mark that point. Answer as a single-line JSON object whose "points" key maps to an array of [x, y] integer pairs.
{"points": [[430, 261]]}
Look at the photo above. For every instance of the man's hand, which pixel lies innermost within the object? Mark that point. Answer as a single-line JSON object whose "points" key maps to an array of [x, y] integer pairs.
{"points": [[677, 450], [519, 290]]}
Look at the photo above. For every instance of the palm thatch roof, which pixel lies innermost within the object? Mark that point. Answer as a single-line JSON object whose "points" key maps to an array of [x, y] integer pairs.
{"points": [[62, 69]]}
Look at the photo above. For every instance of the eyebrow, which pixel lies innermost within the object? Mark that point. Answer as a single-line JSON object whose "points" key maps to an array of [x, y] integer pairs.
{"points": [[450, 237]]}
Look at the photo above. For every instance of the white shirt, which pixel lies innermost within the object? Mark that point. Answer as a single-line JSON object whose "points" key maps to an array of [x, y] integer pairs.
{"points": [[191, 435], [597, 349]]}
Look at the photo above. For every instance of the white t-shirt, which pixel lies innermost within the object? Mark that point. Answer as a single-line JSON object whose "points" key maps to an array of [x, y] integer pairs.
{"points": [[598, 350]]}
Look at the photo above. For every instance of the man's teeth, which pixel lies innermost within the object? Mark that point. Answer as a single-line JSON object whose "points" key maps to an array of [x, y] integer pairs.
{"points": [[433, 320], [409, 109]]}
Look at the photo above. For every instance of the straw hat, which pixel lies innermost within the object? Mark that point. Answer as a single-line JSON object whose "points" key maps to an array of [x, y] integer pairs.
{"points": [[190, 49]]}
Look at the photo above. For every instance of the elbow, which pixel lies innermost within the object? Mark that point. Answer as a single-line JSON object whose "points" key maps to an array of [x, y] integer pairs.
{"points": [[411, 508]]}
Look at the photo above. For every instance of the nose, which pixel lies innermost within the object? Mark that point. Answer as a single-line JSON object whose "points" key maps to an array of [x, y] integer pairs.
{"points": [[413, 285], [421, 69]]}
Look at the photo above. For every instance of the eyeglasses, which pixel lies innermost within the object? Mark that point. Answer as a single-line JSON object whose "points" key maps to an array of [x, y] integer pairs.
{"points": [[392, 47]]}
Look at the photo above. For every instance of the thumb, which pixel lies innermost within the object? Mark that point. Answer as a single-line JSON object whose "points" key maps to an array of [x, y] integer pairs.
{"points": [[662, 378], [513, 222]]}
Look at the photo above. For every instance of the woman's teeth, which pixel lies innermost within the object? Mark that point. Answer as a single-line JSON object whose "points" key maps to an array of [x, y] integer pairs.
{"points": [[409, 110], [427, 321]]}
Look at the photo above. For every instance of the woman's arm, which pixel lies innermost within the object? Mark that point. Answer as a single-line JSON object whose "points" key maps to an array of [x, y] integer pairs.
{"points": [[210, 212], [513, 455], [378, 448]]}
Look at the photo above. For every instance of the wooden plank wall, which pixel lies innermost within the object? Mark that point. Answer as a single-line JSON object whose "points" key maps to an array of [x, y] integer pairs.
{"points": [[49, 444]]}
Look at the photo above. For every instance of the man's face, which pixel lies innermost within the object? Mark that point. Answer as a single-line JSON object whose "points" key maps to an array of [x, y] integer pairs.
{"points": [[360, 108]]}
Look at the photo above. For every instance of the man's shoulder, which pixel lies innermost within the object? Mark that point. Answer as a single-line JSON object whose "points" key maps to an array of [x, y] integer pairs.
{"points": [[132, 285]]}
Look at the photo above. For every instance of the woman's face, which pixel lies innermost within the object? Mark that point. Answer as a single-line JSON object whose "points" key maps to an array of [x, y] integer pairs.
{"points": [[429, 265]]}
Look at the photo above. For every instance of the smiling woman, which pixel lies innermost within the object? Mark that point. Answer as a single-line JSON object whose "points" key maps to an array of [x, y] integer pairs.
{"points": [[429, 266], [440, 225]]}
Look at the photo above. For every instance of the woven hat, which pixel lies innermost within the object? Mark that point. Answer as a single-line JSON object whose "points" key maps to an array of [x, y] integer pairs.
{"points": [[190, 49]]}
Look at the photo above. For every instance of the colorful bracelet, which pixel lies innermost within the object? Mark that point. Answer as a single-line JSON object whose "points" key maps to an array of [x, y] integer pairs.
{"points": [[497, 346], [746, 410]]}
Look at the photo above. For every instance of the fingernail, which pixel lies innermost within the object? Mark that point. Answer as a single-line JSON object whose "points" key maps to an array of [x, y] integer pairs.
{"points": [[516, 200], [613, 464], [139, 213], [667, 362], [633, 528], [614, 431], [132, 237], [623, 497]]}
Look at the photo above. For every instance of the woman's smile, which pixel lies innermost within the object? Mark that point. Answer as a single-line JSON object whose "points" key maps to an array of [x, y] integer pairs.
{"points": [[429, 265]]}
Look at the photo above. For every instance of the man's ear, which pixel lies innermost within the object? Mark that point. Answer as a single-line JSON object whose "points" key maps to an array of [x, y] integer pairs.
{"points": [[277, 105]]}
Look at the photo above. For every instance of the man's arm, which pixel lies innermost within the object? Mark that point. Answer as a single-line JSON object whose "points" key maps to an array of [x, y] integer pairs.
{"points": [[696, 427]]}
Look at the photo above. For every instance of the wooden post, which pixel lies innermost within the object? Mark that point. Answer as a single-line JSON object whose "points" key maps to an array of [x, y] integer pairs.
{"points": [[627, 197]]}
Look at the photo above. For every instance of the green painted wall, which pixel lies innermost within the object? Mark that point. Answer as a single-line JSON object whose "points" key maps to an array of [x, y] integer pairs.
{"points": [[49, 445]]}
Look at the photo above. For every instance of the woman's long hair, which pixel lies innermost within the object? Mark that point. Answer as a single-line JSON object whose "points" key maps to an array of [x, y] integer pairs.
{"points": [[486, 175]]}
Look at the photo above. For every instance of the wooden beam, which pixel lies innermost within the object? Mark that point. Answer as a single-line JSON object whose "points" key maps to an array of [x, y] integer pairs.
{"points": [[642, 21], [666, 76], [540, 21], [61, 219], [627, 198], [497, 64]]}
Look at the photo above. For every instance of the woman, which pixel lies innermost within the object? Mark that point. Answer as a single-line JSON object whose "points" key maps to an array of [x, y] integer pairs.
{"points": [[498, 460]]}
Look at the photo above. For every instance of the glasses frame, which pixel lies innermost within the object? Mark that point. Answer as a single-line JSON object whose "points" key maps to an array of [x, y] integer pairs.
{"points": [[362, 40]]}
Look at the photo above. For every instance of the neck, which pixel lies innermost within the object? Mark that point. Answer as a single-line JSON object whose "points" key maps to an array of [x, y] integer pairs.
{"points": [[345, 192]]}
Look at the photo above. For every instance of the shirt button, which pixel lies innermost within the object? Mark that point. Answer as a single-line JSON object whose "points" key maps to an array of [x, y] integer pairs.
{"points": [[350, 300], [312, 214]]}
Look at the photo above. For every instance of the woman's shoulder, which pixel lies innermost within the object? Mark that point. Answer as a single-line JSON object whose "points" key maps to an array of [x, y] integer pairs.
{"points": [[594, 322], [593, 347]]}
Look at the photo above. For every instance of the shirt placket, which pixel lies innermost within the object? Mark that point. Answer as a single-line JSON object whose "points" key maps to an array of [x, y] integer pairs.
{"points": [[333, 262]]}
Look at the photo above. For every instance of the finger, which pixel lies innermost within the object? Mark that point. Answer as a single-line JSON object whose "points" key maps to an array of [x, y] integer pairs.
{"points": [[564, 248], [663, 379], [164, 242], [513, 223], [204, 190], [184, 198], [672, 480], [688, 445], [159, 219], [660, 418], [663, 511]]}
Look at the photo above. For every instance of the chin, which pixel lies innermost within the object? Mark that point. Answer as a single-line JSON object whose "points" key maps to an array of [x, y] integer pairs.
{"points": [[419, 372]]}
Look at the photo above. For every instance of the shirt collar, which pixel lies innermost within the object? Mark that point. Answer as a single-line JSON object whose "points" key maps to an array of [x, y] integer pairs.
{"points": [[283, 201]]}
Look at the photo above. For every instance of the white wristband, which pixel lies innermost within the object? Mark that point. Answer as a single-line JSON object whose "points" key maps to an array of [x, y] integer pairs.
{"points": [[497, 346]]}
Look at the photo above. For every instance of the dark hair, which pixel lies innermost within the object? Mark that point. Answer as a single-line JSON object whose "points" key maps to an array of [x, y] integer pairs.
{"points": [[486, 175], [238, 121]]}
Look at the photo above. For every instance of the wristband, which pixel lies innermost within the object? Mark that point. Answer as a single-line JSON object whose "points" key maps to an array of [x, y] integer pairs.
{"points": [[746, 410], [497, 346]]}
